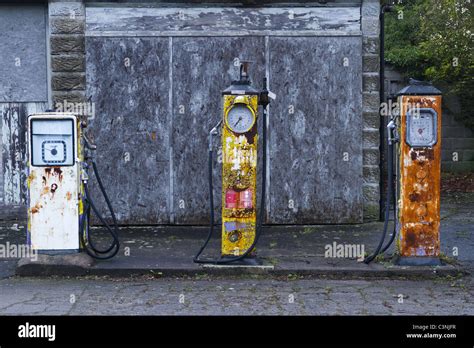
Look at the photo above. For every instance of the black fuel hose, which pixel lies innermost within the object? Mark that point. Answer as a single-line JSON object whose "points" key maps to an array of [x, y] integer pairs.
{"points": [[261, 215], [390, 193], [394, 232], [87, 241]]}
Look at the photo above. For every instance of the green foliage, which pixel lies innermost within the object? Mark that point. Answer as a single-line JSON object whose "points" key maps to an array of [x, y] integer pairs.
{"points": [[433, 40], [401, 39]]}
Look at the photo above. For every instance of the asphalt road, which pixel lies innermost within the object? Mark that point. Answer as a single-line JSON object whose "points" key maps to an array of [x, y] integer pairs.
{"points": [[141, 296]]}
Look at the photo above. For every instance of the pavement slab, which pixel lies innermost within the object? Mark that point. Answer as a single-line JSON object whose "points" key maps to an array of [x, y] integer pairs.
{"points": [[217, 296]]}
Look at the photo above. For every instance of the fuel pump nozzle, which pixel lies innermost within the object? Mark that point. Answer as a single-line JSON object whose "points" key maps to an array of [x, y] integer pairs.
{"points": [[88, 143], [392, 138], [392, 133], [265, 94], [264, 98], [212, 133], [88, 157]]}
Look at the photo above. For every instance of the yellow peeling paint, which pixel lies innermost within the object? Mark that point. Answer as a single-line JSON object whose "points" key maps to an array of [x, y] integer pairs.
{"points": [[239, 173]]}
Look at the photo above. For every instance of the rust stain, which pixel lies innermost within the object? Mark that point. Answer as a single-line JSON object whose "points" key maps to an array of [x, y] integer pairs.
{"points": [[54, 171], [429, 154], [422, 155], [153, 136], [32, 176], [44, 181], [252, 135], [68, 196], [44, 191], [421, 174], [414, 197], [36, 208], [421, 211], [410, 238], [420, 241], [59, 173]]}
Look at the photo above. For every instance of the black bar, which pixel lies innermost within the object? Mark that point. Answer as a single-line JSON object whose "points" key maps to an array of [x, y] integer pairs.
{"points": [[224, 331]]}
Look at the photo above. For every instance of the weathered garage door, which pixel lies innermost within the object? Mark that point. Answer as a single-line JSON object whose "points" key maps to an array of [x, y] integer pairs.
{"points": [[316, 137], [156, 74], [128, 81]]}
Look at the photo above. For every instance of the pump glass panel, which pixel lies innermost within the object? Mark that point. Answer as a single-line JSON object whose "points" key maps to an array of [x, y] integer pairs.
{"points": [[240, 118], [52, 142], [421, 127]]}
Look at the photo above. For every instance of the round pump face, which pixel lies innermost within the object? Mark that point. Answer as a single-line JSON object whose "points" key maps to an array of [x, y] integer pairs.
{"points": [[421, 128], [240, 118]]}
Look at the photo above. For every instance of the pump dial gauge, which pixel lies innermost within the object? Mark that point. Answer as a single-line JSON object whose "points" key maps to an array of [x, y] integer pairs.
{"points": [[53, 151], [240, 118], [422, 128], [52, 142]]}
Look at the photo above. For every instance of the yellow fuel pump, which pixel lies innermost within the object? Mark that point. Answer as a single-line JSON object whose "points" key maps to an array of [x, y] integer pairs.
{"points": [[239, 169], [59, 203], [416, 129], [240, 228]]}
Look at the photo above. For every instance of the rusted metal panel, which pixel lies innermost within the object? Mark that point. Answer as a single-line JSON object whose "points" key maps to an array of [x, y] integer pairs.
{"points": [[222, 21], [419, 198]]}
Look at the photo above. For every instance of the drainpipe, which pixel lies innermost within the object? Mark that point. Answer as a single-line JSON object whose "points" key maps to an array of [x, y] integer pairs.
{"points": [[385, 8]]}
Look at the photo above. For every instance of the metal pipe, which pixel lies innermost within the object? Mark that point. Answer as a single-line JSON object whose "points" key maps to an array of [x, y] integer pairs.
{"points": [[385, 8]]}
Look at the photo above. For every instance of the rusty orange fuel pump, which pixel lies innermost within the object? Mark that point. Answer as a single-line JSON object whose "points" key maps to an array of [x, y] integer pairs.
{"points": [[420, 171], [417, 131], [240, 228]]}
